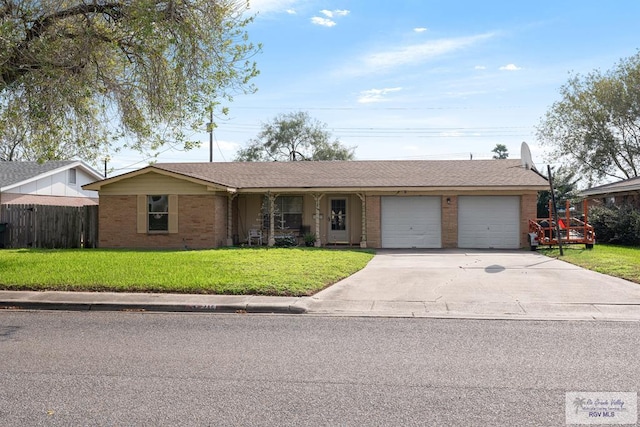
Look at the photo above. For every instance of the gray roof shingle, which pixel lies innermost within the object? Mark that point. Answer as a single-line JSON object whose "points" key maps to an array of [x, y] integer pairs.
{"points": [[631, 184], [361, 174], [15, 172]]}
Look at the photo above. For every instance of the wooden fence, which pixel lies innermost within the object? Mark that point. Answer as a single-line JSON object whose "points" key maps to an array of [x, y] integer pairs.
{"points": [[41, 226]]}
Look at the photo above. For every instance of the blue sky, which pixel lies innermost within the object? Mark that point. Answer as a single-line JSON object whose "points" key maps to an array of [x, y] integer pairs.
{"points": [[418, 79]]}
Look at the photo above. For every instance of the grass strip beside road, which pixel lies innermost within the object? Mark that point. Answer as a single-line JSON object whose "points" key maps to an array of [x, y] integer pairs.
{"points": [[617, 261], [235, 271]]}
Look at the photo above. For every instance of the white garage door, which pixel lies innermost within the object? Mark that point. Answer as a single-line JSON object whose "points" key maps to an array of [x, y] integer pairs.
{"points": [[411, 222], [489, 222]]}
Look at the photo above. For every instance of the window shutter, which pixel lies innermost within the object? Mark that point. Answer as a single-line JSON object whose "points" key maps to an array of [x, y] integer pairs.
{"points": [[173, 213], [142, 213]]}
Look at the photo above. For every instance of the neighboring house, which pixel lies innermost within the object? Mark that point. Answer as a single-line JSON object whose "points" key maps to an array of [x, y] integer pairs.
{"points": [[376, 204], [618, 193], [50, 183]]}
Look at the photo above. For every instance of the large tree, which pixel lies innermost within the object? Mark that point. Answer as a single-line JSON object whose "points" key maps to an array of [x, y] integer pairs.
{"points": [[595, 128], [79, 78], [291, 137]]}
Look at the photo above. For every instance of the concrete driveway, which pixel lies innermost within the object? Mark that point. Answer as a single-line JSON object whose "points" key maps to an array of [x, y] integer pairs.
{"points": [[478, 283]]}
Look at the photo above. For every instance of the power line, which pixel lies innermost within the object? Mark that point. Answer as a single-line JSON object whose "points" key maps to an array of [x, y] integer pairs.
{"points": [[483, 107]]}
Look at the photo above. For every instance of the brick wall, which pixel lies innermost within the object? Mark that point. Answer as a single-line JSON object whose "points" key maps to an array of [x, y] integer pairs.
{"points": [[201, 223], [449, 222], [374, 236], [528, 210], [220, 220]]}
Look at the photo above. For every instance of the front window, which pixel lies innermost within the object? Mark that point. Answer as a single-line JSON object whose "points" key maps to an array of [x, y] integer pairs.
{"points": [[287, 213], [158, 213]]}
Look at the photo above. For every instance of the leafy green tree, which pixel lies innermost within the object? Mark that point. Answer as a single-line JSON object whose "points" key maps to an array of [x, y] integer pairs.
{"points": [[565, 184], [500, 151], [595, 127], [80, 78], [291, 137]]}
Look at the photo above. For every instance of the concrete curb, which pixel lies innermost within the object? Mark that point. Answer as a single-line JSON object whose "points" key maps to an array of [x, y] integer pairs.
{"points": [[222, 308], [188, 303], [86, 301], [488, 310]]}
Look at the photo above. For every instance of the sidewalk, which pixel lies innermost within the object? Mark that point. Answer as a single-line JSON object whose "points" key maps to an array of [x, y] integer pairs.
{"points": [[143, 302]]}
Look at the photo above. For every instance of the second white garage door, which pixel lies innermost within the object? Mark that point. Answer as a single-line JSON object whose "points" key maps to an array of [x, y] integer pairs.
{"points": [[411, 222], [489, 222]]}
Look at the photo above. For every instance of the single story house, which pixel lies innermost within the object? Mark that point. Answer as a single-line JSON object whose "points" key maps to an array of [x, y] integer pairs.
{"points": [[56, 183], [375, 204], [618, 193]]}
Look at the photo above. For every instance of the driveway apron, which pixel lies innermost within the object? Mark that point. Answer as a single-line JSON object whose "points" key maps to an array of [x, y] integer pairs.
{"points": [[480, 282]]}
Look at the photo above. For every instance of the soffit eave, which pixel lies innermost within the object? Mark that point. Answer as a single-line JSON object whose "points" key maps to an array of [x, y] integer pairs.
{"points": [[397, 189]]}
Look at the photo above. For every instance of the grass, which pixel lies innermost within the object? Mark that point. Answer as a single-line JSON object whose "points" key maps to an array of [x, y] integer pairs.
{"points": [[617, 261], [259, 271]]}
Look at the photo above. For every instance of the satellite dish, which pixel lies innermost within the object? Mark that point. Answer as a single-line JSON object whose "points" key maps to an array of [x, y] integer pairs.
{"points": [[525, 157]]}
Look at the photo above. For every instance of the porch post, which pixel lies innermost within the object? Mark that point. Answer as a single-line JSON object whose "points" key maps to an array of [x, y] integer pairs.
{"points": [[317, 197], [272, 217], [363, 238], [230, 198]]}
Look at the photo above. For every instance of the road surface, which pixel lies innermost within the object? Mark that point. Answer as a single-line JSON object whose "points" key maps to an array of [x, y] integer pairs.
{"points": [[130, 368]]}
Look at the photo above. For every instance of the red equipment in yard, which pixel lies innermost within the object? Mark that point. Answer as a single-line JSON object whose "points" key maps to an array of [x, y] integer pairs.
{"points": [[572, 230]]}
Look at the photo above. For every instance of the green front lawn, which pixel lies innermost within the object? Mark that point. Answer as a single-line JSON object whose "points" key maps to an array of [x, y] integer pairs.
{"points": [[617, 261], [260, 271]]}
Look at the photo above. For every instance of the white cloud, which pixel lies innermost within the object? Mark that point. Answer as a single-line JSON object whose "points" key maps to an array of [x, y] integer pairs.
{"points": [[420, 29], [332, 13], [226, 145], [323, 21], [479, 67], [291, 11], [414, 54], [328, 22], [510, 67], [376, 95]]}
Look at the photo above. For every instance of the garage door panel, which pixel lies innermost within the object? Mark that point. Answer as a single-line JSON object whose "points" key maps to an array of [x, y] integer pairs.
{"points": [[411, 222], [489, 222]]}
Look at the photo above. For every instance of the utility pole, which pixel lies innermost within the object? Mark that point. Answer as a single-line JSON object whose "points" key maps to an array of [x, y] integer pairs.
{"points": [[106, 160], [210, 130], [555, 210]]}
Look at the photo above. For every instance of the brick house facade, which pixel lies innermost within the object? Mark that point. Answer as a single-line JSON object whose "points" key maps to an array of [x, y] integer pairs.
{"points": [[430, 204]]}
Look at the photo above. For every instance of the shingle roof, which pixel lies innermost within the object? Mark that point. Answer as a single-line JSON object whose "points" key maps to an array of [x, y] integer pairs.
{"points": [[15, 172], [361, 174], [632, 184]]}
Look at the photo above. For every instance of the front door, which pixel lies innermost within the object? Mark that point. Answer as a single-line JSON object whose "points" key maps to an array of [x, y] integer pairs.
{"points": [[339, 230]]}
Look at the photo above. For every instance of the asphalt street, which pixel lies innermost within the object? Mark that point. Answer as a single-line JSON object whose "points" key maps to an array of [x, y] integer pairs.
{"points": [[130, 368]]}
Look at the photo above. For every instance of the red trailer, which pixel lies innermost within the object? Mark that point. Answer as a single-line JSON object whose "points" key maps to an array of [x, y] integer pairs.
{"points": [[572, 228]]}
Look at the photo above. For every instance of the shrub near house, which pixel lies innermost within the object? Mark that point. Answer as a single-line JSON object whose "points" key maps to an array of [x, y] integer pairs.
{"points": [[616, 224]]}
